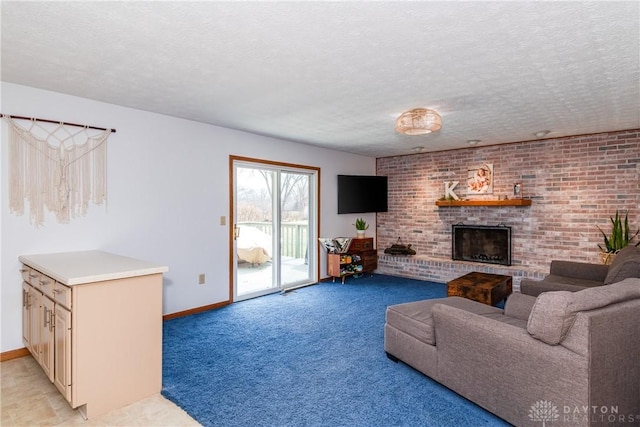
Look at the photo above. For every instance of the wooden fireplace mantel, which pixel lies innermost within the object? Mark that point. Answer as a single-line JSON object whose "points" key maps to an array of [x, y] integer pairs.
{"points": [[509, 202]]}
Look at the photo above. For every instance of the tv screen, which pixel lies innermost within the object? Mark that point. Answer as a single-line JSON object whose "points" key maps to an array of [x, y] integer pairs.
{"points": [[362, 194]]}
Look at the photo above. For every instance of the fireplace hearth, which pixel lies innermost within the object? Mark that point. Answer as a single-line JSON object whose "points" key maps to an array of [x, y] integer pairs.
{"points": [[481, 243]]}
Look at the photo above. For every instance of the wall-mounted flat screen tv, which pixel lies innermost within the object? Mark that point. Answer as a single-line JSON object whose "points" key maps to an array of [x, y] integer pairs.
{"points": [[362, 194]]}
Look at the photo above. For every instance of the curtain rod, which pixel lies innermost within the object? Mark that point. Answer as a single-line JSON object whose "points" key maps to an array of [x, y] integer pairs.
{"points": [[57, 122]]}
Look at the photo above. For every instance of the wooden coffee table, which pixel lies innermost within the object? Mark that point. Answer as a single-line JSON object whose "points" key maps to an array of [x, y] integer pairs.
{"points": [[482, 287]]}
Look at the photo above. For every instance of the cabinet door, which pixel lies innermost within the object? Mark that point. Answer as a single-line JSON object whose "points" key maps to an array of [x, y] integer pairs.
{"points": [[369, 260], [35, 314], [62, 377], [26, 315], [46, 337], [333, 265]]}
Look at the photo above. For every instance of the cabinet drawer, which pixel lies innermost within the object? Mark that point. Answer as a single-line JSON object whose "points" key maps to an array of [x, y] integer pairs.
{"points": [[30, 276], [62, 294], [45, 284], [369, 256], [361, 244], [25, 273]]}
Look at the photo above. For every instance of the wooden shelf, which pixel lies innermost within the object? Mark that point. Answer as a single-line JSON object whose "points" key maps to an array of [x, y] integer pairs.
{"points": [[511, 202], [367, 260]]}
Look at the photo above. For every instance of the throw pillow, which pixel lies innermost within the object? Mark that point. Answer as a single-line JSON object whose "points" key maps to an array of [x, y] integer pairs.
{"points": [[550, 317], [554, 312]]}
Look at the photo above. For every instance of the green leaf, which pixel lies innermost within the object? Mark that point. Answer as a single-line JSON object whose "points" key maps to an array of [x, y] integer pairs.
{"points": [[620, 234]]}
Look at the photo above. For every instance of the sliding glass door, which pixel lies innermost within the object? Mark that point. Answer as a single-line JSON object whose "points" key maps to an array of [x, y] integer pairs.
{"points": [[274, 227]]}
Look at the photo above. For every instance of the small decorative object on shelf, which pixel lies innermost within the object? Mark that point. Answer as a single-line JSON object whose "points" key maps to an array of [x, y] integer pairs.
{"points": [[399, 249], [361, 225], [335, 245], [350, 264], [517, 190]]}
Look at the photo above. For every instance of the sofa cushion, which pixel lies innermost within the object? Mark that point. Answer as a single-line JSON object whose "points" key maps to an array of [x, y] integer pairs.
{"points": [[415, 318], [519, 306], [626, 264], [553, 313]]}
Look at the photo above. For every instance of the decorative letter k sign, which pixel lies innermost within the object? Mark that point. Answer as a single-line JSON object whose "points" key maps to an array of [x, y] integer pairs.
{"points": [[448, 189]]}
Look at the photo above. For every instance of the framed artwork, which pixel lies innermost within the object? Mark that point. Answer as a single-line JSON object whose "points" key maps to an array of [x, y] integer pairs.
{"points": [[480, 179]]}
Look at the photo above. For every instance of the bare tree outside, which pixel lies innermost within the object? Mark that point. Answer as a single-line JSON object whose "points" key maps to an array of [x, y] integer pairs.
{"points": [[256, 197], [294, 191]]}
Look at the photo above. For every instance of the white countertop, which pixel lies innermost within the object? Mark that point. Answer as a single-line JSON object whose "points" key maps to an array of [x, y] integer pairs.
{"points": [[76, 268]]}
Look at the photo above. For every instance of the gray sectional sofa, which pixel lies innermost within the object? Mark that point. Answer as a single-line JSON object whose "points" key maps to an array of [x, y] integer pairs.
{"points": [[575, 276], [564, 358]]}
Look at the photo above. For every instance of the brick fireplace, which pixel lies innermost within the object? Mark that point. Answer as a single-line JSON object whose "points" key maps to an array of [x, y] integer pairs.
{"points": [[481, 243], [575, 184]]}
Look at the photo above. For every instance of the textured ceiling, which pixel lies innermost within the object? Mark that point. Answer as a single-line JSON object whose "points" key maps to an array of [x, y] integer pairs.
{"points": [[337, 74]]}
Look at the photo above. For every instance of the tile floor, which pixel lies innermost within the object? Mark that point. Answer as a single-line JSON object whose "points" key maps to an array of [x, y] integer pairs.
{"points": [[28, 398]]}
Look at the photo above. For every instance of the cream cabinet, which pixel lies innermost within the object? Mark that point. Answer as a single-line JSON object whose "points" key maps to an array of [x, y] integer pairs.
{"points": [[62, 351], [37, 315], [93, 320]]}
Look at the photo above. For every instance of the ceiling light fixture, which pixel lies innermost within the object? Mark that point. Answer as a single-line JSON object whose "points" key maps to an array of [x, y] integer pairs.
{"points": [[541, 133], [418, 121], [473, 141]]}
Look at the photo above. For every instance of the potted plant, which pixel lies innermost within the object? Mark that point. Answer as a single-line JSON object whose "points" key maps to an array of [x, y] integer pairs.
{"points": [[361, 226], [619, 238]]}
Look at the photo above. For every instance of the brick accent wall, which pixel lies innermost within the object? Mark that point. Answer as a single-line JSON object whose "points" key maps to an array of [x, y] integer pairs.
{"points": [[575, 183]]}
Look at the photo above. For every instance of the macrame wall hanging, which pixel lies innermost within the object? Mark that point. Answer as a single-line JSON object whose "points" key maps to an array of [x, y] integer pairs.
{"points": [[55, 165]]}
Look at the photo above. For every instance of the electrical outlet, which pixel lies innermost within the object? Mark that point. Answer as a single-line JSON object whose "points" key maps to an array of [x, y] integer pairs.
{"points": [[201, 279]]}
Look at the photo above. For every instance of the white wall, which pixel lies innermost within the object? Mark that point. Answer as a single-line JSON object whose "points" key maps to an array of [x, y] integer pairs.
{"points": [[168, 186]]}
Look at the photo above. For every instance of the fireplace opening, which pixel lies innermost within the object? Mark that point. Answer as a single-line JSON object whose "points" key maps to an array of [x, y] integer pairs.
{"points": [[481, 243]]}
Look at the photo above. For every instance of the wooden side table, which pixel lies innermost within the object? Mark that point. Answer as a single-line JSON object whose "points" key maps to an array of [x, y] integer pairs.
{"points": [[482, 287], [360, 258]]}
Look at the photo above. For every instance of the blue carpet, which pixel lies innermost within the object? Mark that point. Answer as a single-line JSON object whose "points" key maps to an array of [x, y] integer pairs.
{"points": [[311, 357]]}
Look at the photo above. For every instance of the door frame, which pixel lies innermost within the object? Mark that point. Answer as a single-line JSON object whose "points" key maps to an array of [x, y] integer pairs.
{"points": [[232, 256]]}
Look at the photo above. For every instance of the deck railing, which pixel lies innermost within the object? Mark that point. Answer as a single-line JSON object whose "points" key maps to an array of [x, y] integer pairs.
{"points": [[293, 235]]}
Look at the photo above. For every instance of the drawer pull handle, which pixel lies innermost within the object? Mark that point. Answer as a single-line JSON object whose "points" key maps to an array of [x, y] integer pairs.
{"points": [[32, 275], [47, 317], [57, 291], [44, 282], [23, 270]]}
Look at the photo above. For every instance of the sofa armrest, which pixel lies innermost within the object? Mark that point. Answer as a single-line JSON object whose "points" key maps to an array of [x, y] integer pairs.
{"points": [[579, 270]]}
